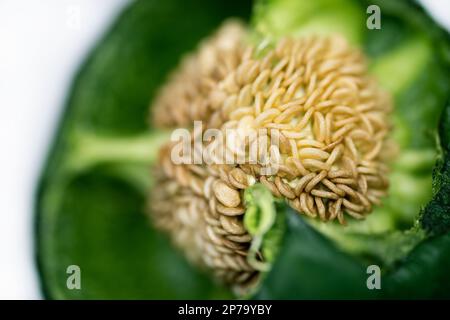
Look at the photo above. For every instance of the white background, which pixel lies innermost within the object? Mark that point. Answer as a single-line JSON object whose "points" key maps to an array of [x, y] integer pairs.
{"points": [[41, 46]]}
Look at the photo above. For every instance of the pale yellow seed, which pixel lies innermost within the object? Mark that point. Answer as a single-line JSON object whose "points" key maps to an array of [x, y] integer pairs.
{"points": [[226, 195]]}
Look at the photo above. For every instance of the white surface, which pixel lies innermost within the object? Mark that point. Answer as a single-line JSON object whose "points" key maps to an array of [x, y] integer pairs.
{"points": [[41, 46], [440, 10]]}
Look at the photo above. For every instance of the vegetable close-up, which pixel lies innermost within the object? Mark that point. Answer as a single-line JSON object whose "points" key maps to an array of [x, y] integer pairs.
{"points": [[266, 149]]}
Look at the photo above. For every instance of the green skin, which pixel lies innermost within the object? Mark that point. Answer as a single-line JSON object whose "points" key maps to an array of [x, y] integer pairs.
{"points": [[91, 198]]}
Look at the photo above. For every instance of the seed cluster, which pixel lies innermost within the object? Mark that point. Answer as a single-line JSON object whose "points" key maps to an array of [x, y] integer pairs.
{"points": [[186, 96], [201, 208], [331, 120]]}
